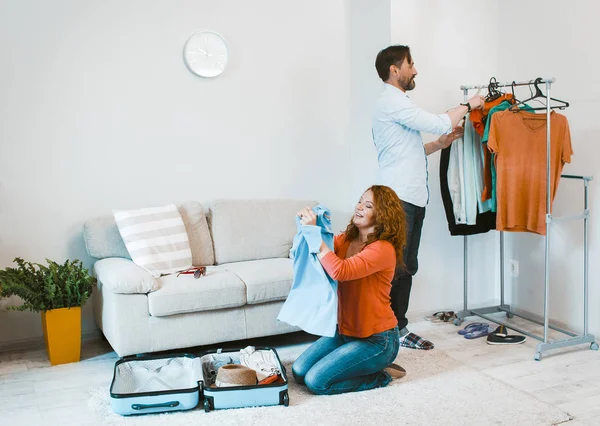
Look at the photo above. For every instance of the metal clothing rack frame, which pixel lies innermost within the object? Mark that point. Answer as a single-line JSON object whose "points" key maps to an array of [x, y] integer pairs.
{"points": [[572, 338]]}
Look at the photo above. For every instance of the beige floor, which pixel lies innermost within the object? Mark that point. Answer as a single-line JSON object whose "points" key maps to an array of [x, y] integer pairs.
{"points": [[33, 393]]}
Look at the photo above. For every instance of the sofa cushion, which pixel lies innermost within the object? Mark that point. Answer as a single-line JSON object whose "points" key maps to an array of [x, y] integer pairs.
{"points": [[122, 276], [218, 289], [156, 238], [102, 238], [253, 229], [266, 280]]}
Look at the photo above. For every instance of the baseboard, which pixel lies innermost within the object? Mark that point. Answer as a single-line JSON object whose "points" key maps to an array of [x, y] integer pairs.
{"points": [[38, 342]]}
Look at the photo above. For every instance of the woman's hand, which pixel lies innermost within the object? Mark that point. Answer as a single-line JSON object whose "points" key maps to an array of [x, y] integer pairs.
{"points": [[307, 216]]}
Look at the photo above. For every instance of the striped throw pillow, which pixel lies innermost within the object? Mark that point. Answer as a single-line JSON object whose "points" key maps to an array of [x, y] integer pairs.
{"points": [[155, 238]]}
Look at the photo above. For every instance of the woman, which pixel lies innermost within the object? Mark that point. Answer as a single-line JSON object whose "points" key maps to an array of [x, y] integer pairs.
{"points": [[360, 356]]}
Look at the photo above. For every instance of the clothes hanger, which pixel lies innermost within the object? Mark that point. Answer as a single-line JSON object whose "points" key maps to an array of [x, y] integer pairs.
{"points": [[493, 92], [537, 96]]}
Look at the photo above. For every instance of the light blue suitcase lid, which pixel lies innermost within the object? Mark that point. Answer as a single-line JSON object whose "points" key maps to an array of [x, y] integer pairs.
{"points": [[152, 374]]}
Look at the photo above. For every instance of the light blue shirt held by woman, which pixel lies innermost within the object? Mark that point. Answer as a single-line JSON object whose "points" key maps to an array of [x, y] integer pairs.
{"points": [[312, 303]]}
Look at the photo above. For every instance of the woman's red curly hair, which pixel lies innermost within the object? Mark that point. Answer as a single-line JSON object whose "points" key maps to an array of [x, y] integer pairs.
{"points": [[390, 223]]}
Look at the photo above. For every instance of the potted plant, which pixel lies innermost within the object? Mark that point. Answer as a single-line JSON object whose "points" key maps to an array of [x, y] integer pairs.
{"points": [[58, 292]]}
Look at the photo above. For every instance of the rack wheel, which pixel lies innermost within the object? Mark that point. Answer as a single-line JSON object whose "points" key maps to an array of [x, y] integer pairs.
{"points": [[458, 321], [594, 346], [510, 315], [286, 400], [207, 405], [538, 356]]}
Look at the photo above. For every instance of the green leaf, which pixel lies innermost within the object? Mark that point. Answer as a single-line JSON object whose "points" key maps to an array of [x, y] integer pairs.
{"points": [[47, 287]]}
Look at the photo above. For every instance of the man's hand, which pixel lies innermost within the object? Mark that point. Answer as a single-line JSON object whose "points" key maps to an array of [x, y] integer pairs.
{"points": [[445, 140], [476, 101]]}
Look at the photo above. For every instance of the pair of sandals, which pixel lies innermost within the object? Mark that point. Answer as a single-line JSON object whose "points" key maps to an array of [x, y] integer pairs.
{"points": [[442, 316], [475, 330]]}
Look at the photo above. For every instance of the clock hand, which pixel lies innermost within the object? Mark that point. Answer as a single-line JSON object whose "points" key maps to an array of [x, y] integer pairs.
{"points": [[203, 51]]}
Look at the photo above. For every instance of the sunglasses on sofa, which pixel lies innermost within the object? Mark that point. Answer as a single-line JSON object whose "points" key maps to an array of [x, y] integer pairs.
{"points": [[198, 272]]}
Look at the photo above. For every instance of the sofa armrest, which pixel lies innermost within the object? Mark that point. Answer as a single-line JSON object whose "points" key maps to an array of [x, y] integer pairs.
{"points": [[122, 276]]}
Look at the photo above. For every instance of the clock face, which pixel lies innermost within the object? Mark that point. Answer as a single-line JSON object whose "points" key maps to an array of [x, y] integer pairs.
{"points": [[205, 54]]}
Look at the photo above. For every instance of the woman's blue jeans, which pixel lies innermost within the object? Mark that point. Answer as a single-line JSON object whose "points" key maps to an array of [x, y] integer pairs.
{"points": [[342, 364]]}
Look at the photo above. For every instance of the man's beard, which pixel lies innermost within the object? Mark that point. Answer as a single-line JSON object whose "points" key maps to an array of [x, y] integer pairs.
{"points": [[407, 84]]}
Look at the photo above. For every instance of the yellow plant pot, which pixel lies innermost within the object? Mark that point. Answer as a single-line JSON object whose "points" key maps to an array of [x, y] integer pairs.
{"points": [[62, 334]]}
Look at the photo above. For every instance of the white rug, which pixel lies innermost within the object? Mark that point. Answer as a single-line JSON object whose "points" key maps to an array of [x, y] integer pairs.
{"points": [[438, 390]]}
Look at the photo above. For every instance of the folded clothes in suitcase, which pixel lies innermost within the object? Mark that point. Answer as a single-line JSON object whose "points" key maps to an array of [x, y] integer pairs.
{"points": [[144, 384]]}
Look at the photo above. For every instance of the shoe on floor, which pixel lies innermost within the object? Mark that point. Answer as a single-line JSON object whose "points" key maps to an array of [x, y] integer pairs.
{"points": [[500, 336], [469, 328], [477, 333], [395, 371], [412, 341], [501, 330], [442, 316]]}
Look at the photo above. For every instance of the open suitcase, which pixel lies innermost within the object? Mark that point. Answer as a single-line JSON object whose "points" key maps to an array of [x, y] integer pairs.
{"points": [[144, 384]]}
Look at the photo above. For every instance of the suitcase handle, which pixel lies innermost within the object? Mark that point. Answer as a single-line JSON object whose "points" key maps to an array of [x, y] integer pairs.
{"points": [[169, 404]]}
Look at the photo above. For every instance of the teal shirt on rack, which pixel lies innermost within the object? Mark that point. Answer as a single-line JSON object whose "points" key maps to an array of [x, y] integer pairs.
{"points": [[502, 107]]}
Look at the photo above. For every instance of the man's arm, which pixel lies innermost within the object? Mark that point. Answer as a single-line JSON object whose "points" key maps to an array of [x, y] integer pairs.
{"points": [[457, 113], [413, 117], [444, 141]]}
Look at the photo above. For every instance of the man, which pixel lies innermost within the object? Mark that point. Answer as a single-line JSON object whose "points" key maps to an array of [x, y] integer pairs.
{"points": [[402, 156]]}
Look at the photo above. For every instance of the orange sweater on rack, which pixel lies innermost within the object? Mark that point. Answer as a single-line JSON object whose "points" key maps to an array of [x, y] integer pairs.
{"points": [[364, 284]]}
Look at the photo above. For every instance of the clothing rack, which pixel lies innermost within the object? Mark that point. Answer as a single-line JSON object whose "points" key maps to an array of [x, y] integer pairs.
{"points": [[572, 338]]}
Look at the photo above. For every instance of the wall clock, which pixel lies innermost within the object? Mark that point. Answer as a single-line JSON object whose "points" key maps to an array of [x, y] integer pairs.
{"points": [[205, 53]]}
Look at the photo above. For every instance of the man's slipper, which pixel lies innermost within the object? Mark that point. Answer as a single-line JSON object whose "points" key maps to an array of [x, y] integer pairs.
{"points": [[395, 371], [472, 327], [478, 332], [412, 341]]}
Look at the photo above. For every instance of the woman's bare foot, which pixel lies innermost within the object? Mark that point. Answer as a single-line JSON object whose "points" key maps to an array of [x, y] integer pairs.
{"points": [[395, 371]]}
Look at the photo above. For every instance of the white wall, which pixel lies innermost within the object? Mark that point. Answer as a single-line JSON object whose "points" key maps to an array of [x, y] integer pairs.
{"points": [[369, 23], [547, 39], [452, 43], [98, 111]]}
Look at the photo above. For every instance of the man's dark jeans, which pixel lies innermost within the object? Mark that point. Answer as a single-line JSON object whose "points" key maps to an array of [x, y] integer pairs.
{"points": [[402, 282]]}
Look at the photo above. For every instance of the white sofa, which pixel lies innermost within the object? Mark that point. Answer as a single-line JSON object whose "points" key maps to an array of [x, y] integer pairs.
{"points": [[244, 243]]}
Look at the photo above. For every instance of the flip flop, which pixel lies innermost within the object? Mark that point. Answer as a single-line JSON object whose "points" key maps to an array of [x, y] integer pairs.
{"points": [[478, 332], [472, 327]]}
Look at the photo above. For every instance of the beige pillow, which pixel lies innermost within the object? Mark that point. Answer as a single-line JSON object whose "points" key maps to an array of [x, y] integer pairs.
{"points": [[198, 232], [156, 239]]}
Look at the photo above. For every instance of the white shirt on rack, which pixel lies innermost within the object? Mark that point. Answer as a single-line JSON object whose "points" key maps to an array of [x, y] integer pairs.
{"points": [[397, 125]]}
